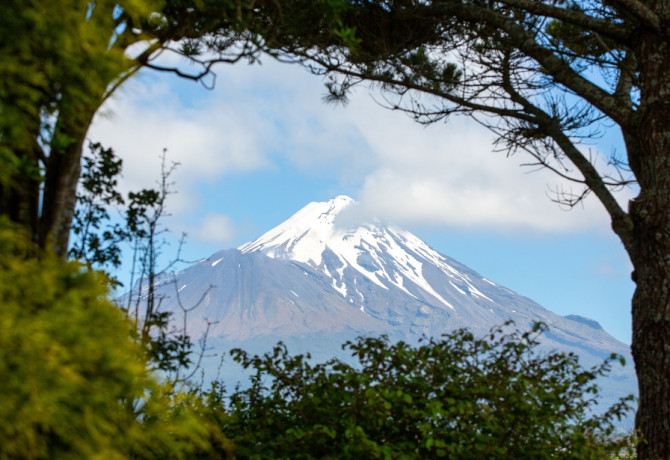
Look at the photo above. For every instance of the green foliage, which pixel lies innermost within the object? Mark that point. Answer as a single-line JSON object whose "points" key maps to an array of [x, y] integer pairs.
{"points": [[61, 60], [95, 238], [96, 234], [48, 71], [457, 397], [73, 384]]}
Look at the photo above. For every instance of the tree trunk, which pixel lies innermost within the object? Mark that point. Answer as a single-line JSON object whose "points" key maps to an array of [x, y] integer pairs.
{"points": [[651, 326], [62, 175], [648, 143], [59, 199]]}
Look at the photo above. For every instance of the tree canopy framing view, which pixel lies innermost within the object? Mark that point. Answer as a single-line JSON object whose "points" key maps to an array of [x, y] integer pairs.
{"points": [[541, 74]]}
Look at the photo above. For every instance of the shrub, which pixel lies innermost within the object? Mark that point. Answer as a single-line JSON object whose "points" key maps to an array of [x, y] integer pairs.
{"points": [[457, 397], [73, 384]]}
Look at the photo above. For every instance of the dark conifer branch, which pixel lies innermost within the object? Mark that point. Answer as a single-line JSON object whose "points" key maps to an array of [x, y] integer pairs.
{"points": [[550, 63], [640, 12], [619, 31]]}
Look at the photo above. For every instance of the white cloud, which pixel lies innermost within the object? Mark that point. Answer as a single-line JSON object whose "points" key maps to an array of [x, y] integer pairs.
{"points": [[207, 141], [213, 228], [445, 174], [448, 174]]}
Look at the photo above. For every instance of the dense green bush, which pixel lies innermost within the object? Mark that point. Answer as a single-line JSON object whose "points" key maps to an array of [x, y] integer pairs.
{"points": [[459, 397], [73, 384]]}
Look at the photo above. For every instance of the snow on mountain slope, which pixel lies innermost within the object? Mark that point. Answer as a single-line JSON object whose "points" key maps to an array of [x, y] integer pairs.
{"points": [[393, 276], [387, 256]]}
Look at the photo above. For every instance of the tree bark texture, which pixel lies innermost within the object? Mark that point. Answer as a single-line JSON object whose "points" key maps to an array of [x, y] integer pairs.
{"points": [[651, 321], [648, 144], [59, 198]]}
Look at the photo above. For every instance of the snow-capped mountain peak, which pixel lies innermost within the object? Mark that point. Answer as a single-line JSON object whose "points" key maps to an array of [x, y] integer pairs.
{"points": [[317, 280], [303, 236], [387, 256]]}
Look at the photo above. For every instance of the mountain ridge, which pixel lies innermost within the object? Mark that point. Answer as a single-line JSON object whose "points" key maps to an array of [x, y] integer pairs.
{"points": [[374, 256]]}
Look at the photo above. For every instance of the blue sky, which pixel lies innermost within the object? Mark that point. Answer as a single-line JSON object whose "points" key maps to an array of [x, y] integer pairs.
{"points": [[262, 144]]}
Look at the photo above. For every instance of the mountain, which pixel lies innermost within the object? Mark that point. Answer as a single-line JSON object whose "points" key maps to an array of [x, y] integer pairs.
{"points": [[318, 279]]}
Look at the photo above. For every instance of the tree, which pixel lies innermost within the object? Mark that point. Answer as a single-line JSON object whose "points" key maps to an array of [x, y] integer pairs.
{"points": [[454, 397], [543, 75], [66, 58]]}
